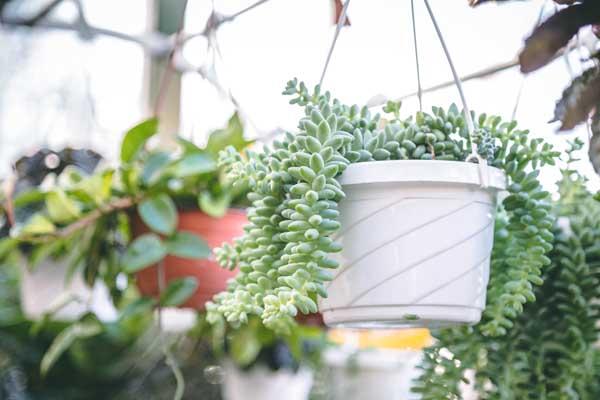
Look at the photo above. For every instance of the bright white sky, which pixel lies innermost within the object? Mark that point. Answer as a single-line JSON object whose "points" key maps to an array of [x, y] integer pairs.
{"points": [[262, 50]]}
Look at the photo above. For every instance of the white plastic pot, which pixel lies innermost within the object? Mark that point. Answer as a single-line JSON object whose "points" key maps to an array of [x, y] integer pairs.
{"points": [[417, 238], [372, 374], [47, 290], [264, 384]]}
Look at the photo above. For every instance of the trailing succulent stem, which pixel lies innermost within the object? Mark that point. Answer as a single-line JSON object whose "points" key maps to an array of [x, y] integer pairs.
{"points": [[284, 257]]}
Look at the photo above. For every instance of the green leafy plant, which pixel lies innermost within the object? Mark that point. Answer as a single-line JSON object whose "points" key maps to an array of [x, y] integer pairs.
{"points": [[550, 352], [86, 219], [254, 344], [284, 257]]}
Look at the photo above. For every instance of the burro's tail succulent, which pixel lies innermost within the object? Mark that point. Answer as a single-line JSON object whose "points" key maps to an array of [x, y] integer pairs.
{"points": [[284, 256]]}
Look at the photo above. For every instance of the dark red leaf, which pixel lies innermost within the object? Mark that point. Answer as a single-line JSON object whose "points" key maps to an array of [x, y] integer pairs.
{"points": [[580, 108], [555, 33], [570, 96]]}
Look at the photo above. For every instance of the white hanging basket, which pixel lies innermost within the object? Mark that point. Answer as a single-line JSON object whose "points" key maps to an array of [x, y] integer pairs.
{"points": [[261, 383], [417, 238], [47, 290]]}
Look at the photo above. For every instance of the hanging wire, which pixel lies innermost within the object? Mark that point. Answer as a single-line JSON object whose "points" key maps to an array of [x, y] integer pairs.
{"points": [[468, 116], [340, 24], [415, 41]]}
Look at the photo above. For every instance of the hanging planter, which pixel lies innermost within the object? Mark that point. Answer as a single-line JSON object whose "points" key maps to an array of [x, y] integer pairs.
{"points": [[212, 279], [427, 262], [402, 262], [386, 222]]}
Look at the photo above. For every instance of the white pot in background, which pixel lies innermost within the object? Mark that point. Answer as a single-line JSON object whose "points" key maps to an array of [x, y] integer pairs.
{"points": [[46, 288], [417, 238], [371, 374], [262, 383]]}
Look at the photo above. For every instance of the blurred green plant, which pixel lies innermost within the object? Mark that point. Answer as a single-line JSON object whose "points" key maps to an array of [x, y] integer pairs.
{"points": [[85, 219], [254, 344]]}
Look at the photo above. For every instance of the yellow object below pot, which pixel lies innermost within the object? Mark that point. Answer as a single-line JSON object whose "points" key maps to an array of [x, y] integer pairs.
{"points": [[413, 339]]}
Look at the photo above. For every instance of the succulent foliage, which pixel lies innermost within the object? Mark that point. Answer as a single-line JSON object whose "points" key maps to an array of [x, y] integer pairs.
{"points": [[284, 257]]}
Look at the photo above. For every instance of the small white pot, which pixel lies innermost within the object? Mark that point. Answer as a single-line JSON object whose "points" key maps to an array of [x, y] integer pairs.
{"points": [[417, 238], [261, 383], [47, 290], [372, 374]]}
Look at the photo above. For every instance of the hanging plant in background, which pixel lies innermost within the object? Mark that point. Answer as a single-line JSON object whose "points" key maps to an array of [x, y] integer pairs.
{"points": [[550, 352], [580, 101], [285, 256]]}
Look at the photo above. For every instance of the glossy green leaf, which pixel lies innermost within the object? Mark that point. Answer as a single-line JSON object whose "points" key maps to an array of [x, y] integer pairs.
{"points": [[194, 164], [37, 225], [188, 146], [139, 306], [187, 245], [143, 252], [61, 208], [28, 197], [159, 214], [96, 188], [65, 339], [178, 291], [215, 206], [154, 167], [232, 135], [7, 244], [245, 346], [136, 138]]}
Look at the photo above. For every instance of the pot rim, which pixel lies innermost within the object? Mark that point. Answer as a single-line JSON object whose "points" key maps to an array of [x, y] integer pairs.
{"points": [[422, 171]]}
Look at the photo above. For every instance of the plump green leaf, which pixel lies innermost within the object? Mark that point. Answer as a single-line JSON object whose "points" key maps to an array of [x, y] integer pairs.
{"points": [[178, 291], [159, 214], [215, 206], [144, 251], [65, 339], [187, 245], [136, 138], [194, 164], [61, 208], [232, 135]]}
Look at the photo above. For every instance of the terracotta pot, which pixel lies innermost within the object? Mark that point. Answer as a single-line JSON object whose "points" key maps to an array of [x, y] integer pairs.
{"points": [[211, 277]]}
